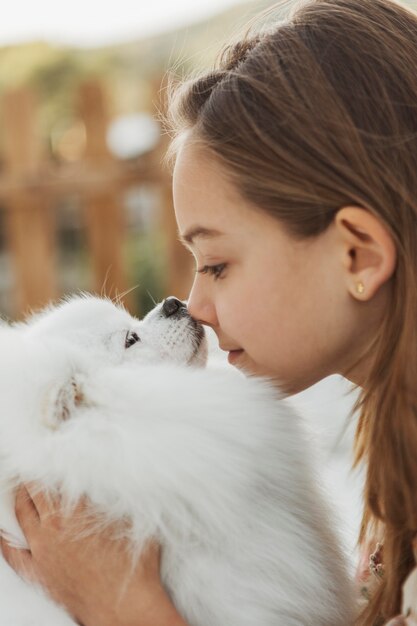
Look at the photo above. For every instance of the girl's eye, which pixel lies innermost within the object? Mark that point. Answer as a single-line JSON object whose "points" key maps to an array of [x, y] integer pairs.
{"points": [[131, 339], [214, 270]]}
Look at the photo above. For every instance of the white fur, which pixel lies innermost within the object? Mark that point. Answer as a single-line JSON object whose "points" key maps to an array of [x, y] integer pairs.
{"points": [[209, 462]]}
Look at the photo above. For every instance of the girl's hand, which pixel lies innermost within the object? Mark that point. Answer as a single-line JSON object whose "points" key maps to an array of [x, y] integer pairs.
{"points": [[90, 575]]}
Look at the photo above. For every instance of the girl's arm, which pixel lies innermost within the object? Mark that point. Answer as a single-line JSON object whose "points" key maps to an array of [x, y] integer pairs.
{"points": [[90, 575]]}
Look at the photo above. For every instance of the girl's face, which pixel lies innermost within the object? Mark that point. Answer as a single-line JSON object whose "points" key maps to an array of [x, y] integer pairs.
{"points": [[283, 302]]}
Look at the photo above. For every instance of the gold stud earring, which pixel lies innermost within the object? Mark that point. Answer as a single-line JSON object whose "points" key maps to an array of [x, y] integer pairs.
{"points": [[360, 287]]}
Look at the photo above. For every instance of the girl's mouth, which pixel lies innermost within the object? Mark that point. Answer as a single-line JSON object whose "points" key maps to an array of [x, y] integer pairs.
{"points": [[233, 355]]}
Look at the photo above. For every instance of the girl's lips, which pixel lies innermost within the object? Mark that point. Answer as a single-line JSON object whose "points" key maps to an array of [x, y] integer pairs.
{"points": [[233, 355]]}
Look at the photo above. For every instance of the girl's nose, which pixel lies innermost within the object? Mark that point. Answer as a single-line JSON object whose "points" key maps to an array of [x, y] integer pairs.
{"points": [[201, 307]]}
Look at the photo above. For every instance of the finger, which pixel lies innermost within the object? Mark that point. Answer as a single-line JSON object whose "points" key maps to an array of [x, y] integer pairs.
{"points": [[19, 560], [53, 513], [44, 503], [26, 513]]}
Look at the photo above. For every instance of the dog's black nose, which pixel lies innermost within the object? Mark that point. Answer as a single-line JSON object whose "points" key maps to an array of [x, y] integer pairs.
{"points": [[172, 305]]}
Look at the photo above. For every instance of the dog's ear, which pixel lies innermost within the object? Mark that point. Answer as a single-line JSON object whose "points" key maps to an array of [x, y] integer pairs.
{"points": [[61, 403]]}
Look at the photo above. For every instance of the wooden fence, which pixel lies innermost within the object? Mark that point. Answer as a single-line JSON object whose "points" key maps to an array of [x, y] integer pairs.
{"points": [[31, 184]]}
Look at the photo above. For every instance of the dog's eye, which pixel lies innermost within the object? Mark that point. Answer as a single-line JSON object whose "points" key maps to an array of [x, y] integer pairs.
{"points": [[131, 338]]}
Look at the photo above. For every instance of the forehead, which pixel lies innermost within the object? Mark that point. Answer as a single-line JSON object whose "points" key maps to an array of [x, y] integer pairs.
{"points": [[203, 196]]}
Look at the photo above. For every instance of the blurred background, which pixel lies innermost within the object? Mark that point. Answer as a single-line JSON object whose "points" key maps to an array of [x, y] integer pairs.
{"points": [[85, 201]]}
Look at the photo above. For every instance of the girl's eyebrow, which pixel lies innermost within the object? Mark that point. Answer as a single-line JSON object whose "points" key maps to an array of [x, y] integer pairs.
{"points": [[198, 231]]}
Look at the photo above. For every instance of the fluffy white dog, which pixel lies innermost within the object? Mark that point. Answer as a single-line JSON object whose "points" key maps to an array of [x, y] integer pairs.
{"points": [[96, 403]]}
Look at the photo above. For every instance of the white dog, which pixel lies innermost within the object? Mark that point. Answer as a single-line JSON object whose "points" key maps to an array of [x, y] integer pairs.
{"points": [[212, 464]]}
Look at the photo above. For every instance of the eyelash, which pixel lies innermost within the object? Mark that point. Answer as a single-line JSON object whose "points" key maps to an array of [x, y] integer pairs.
{"points": [[215, 270]]}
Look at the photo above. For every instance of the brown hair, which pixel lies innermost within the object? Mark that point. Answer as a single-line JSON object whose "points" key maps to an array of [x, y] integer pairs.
{"points": [[316, 113]]}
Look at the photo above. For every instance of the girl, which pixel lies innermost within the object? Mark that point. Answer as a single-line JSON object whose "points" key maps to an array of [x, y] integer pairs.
{"points": [[295, 188]]}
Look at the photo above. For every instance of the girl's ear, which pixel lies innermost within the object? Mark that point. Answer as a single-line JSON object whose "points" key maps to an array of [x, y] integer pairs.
{"points": [[369, 252], [61, 403]]}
